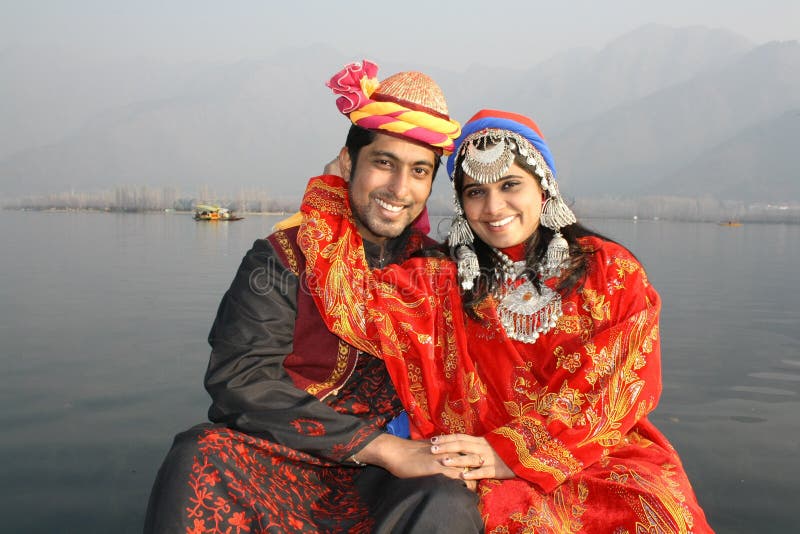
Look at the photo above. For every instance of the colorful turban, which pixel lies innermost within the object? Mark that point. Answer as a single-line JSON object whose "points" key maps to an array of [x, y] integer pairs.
{"points": [[407, 104], [502, 120]]}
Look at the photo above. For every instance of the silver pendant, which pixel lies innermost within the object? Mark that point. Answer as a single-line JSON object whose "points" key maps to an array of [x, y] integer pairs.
{"points": [[525, 313]]}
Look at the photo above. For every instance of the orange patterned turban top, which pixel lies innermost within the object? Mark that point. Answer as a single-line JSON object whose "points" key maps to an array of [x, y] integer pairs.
{"points": [[406, 104]]}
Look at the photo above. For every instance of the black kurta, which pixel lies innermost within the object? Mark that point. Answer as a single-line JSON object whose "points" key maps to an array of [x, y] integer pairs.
{"points": [[291, 404]]}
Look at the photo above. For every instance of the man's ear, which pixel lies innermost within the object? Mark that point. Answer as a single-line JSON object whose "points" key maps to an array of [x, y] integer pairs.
{"points": [[345, 163]]}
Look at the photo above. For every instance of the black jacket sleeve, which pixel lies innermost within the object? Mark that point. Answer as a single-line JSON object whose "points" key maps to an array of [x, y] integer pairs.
{"points": [[249, 387]]}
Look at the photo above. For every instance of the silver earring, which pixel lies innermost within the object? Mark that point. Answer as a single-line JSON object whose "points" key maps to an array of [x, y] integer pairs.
{"points": [[460, 239], [555, 215]]}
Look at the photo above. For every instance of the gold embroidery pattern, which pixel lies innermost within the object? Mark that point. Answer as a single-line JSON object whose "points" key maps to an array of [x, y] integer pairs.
{"points": [[595, 303], [490, 326], [424, 339], [417, 388], [568, 362], [338, 370], [396, 344], [603, 361], [451, 353], [534, 520], [453, 420], [551, 457], [658, 505], [395, 347], [564, 406], [338, 297], [626, 266], [309, 237], [575, 324], [621, 388], [648, 345], [476, 390], [288, 251], [328, 199], [661, 504], [565, 518]]}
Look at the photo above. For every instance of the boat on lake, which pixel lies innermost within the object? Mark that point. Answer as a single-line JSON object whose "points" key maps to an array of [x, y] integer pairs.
{"points": [[207, 212], [729, 223]]}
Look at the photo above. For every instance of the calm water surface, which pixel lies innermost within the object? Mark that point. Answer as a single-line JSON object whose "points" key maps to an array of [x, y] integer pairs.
{"points": [[104, 319]]}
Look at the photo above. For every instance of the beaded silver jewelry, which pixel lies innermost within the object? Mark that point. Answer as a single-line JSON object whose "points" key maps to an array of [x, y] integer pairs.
{"points": [[460, 239], [525, 312], [486, 156]]}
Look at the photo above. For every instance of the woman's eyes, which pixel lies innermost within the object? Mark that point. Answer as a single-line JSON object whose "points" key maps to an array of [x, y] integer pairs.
{"points": [[505, 186]]}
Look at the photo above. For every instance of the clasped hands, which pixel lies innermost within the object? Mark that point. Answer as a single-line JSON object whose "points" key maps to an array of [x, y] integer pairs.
{"points": [[456, 456], [472, 455]]}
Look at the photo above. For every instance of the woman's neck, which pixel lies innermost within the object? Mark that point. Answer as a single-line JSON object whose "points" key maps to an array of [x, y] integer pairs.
{"points": [[515, 252]]}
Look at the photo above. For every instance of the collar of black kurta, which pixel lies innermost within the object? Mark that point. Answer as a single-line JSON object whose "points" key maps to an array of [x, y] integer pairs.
{"points": [[391, 251]]}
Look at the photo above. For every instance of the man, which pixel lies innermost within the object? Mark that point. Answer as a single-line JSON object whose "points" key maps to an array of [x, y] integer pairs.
{"points": [[300, 441]]}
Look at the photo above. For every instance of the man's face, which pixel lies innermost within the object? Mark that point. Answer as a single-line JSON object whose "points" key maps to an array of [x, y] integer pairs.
{"points": [[389, 186]]}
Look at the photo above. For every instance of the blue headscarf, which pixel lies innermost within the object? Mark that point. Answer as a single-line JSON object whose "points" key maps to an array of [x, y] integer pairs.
{"points": [[502, 120]]}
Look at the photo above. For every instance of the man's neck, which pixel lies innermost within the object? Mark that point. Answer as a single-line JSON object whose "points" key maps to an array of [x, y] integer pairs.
{"points": [[385, 251]]}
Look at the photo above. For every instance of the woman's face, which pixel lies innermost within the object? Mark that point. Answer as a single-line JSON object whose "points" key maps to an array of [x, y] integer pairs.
{"points": [[504, 213]]}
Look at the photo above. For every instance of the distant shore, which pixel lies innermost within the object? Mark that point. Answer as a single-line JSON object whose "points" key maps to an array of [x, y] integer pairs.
{"points": [[753, 215], [141, 211]]}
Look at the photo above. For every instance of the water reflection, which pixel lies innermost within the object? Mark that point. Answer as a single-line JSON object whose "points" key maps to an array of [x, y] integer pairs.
{"points": [[105, 316]]}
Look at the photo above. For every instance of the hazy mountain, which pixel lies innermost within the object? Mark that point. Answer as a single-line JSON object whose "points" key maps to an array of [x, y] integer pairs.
{"points": [[633, 146], [619, 120], [758, 164], [580, 84], [48, 93], [249, 124]]}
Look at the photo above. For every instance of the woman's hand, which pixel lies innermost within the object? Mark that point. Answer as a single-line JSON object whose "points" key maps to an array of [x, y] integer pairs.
{"points": [[332, 167], [473, 455]]}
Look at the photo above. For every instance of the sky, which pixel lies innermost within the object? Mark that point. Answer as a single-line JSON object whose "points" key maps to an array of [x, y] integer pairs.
{"points": [[445, 33]]}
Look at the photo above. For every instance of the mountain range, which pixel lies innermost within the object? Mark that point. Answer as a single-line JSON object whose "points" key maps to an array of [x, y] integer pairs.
{"points": [[658, 111]]}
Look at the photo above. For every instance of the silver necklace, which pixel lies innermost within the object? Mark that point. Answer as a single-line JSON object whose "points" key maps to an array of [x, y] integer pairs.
{"points": [[525, 312]]}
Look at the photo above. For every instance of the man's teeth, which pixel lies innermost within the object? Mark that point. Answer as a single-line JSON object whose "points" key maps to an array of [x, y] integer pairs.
{"points": [[387, 206], [502, 222]]}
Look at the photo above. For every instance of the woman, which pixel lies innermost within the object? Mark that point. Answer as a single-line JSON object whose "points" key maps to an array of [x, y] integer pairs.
{"points": [[532, 360]]}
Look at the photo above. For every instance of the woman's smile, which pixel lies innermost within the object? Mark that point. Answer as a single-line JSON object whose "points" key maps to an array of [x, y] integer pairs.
{"points": [[506, 212]]}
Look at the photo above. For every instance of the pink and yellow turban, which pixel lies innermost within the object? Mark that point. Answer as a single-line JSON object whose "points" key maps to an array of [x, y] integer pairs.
{"points": [[407, 104]]}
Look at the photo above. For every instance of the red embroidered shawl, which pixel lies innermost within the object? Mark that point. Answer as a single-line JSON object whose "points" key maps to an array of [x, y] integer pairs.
{"points": [[551, 409]]}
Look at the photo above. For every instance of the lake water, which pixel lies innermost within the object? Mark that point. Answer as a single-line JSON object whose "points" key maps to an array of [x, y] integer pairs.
{"points": [[104, 318]]}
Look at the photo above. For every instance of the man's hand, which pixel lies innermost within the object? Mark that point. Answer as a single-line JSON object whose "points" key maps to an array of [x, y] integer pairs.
{"points": [[406, 458], [332, 167]]}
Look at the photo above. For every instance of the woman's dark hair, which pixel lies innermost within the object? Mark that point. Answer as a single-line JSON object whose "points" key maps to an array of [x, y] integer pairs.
{"points": [[572, 276], [358, 138]]}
